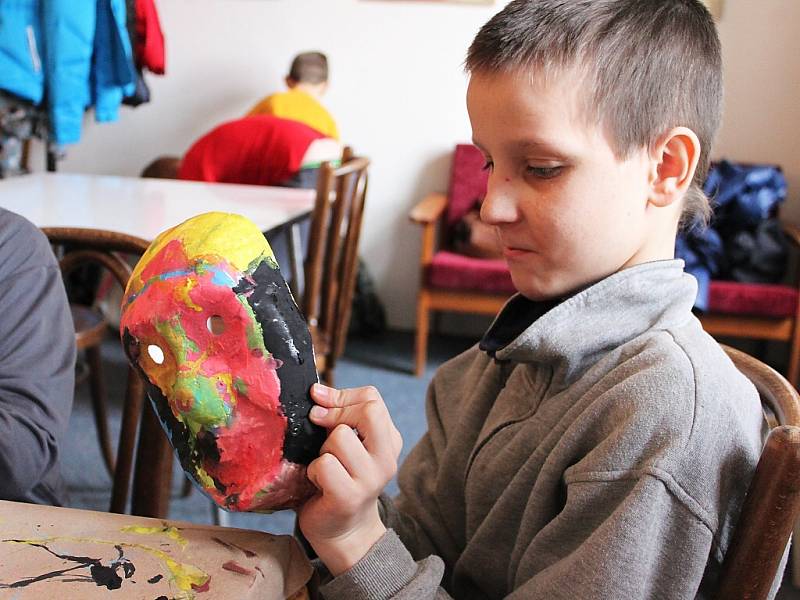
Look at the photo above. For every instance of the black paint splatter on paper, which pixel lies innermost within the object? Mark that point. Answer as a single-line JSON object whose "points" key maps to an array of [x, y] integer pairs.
{"points": [[107, 576]]}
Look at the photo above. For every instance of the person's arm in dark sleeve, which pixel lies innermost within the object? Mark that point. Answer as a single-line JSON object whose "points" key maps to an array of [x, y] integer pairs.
{"points": [[37, 358]]}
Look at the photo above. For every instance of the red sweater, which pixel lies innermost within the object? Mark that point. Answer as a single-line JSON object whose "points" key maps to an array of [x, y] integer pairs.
{"points": [[258, 150]]}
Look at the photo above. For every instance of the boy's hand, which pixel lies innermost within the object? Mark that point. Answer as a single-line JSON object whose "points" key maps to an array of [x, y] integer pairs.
{"points": [[358, 459]]}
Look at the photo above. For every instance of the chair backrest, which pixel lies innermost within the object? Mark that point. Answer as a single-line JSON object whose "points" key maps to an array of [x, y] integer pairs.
{"points": [[467, 183], [772, 504], [103, 248], [332, 258]]}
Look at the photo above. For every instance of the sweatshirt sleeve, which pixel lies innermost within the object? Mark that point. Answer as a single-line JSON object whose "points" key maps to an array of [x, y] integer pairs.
{"points": [[37, 358], [405, 563], [388, 571], [616, 538]]}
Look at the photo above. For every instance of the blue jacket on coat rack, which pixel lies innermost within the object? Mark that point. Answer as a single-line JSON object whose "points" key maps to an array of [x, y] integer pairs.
{"points": [[71, 55]]}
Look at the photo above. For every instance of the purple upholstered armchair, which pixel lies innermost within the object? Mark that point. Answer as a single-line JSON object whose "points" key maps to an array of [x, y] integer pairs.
{"points": [[451, 281]]}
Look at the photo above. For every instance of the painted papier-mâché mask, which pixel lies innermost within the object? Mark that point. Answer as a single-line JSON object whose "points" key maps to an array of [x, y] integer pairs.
{"points": [[210, 324]]}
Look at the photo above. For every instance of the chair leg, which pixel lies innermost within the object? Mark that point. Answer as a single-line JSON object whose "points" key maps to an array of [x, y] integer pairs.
{"points": [[134, 398], [152, 477], [186, 490], [98, 394], [794, 358], [421, 343], [219, 517], [795, 558]]}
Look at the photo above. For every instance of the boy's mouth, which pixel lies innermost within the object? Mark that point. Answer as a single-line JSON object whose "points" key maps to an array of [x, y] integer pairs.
{"points": [[514, 252]]}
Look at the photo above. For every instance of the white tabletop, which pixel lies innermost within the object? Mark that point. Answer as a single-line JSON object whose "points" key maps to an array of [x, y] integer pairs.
{"points": [[144, 207]]}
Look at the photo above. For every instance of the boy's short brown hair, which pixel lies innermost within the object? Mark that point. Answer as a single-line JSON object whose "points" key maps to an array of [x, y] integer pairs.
{"points": [[647, 66], [309, 67]]}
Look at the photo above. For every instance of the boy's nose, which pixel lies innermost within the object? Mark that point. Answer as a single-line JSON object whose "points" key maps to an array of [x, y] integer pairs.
{"points": [[498, 205]]}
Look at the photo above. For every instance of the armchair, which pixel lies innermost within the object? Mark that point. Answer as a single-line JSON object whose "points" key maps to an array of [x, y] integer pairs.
{"points": [[758, 311], [451, 281]]}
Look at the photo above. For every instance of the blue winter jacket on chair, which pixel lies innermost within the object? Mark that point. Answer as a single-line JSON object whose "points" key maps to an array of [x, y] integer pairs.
{"points": [[742, 242]]}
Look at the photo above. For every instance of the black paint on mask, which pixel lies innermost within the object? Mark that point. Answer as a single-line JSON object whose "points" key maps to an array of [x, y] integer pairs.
{"points": [[287, 338]]}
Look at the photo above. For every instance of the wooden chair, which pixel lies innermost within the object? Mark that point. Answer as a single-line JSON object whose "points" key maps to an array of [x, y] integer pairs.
{"points": [[772, 504], [331, 262], [152, 470], [759, 311], [90, 331], [450, 281]]}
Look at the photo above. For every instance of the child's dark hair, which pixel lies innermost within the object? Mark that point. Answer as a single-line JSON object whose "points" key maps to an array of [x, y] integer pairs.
{"points": [[309, 67], [164, 167], [647, 66]]}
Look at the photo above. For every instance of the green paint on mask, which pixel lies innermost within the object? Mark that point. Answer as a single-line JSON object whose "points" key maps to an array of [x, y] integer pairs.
{"points": [[255, 336], [176, 337], [208, 408]]}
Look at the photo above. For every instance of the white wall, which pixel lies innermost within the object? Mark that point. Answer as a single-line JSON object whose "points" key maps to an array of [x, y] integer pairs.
{"points": [[397, 90], [761, 50]]}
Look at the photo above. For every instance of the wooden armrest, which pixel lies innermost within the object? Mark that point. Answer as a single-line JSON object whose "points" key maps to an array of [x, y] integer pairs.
{"points": [[429, 209], [792, 231]]}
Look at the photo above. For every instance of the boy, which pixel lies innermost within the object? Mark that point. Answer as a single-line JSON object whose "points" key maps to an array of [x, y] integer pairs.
{"points": [[597, 444], [307, 82]]}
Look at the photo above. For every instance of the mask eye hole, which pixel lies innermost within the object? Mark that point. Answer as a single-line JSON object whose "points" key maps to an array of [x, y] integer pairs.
{"points": [[216, 325], [156, 353]]}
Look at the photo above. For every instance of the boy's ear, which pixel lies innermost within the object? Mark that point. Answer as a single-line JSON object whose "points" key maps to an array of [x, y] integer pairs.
{"points": [[290, 82], [674, 160]]}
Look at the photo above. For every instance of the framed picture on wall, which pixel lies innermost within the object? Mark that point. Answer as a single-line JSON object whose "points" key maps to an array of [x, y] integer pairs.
{"points": [[447, 1]]}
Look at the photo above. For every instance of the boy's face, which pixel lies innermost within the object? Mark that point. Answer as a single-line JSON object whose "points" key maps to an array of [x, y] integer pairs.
{"points": [[566, 211]]}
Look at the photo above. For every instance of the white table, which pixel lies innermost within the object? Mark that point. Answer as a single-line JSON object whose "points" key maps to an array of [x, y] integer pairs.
{"points": [[146, 207]]}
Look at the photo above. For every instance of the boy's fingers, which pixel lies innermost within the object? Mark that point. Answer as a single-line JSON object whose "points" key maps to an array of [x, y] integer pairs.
{"points": [[328, 474], [362, 409], [344, 444], [332, 398], [397, 440], [371, 419]]}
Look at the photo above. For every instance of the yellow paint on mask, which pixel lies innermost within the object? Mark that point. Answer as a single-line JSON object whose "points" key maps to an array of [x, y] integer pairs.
{"points": [[204, 478], [182, 294], [232, 237]]}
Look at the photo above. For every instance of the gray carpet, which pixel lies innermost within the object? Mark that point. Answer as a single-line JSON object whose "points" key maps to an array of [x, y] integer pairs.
{"points": [[384, 362]]}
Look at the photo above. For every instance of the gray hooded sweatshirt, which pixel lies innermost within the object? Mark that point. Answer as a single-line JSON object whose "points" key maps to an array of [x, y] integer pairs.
{"points": [[603, 452]]}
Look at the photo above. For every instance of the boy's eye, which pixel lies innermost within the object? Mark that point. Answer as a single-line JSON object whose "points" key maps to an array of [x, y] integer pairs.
{"points": [[487, 165], [545, 172]]}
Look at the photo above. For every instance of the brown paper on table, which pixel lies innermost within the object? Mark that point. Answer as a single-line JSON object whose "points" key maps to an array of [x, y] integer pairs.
{"points": [[63, 553]]}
